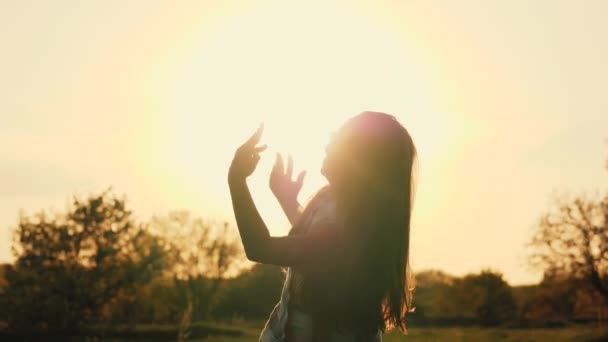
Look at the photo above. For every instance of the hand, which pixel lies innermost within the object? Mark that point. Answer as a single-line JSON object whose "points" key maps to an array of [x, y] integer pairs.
{"points": [[246, 157], [281, 184]]}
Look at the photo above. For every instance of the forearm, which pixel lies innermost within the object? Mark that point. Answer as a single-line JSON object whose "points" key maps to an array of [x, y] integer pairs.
{"points": [[292, 210], [253, 230], [303, 251]]}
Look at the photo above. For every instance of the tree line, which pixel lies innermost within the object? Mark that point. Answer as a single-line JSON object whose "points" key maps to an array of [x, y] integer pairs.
{"points": [[97, 264]]}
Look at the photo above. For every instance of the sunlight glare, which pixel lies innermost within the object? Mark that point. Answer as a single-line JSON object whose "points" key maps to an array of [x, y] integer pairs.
{"points": [[263, 66]]}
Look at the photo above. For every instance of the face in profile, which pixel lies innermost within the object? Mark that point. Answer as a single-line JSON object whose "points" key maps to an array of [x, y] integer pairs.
{"points": [[337, 152], [333, 152], [367, 146], [328, 157]]}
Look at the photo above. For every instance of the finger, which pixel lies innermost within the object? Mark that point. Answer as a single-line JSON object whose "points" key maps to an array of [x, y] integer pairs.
{"points": [[255, 138], [300, 180], [256, 159], [278, 164], [260, 148], [289, 171]]}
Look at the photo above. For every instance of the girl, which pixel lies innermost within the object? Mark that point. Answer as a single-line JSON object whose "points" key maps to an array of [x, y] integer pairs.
{"points": [[348, 250]]}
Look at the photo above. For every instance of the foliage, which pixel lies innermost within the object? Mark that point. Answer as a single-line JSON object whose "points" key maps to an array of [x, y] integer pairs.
{"points": [[202, 254], [433, 297], [69, 266], [571, 241], [483, 298], [488, 296], [557, 301], [198, 247], [95, 263], [251, 295]]}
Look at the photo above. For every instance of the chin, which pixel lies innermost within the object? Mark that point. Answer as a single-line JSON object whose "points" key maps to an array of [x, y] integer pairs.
{"points": [[324, 169], [325, 174]]}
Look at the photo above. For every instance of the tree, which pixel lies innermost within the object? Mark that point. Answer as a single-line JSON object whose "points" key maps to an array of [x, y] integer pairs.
{"points": [[202, 254], [483, 298], [252, 294], [434, 297], [69, 266], [571, 242], [487, 296]]}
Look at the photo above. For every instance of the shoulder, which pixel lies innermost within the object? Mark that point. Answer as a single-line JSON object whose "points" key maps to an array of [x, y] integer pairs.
{"points": [[320, 210], [325, 211]]}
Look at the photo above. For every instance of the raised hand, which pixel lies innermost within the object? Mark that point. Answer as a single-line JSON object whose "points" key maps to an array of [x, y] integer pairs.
{"points": [[283, 187], [246, 157]]}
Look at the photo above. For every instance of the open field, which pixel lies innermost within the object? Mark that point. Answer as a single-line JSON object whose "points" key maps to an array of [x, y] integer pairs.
{"points": [[572, 333], [249, 331]]}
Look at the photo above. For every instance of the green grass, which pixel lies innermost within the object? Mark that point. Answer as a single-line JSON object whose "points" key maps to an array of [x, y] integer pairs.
{"points": [[249, 331], [473, 334], [574, 333]]}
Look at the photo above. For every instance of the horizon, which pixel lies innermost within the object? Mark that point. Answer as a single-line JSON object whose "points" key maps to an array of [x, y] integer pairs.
{"points": [[145, 99]]}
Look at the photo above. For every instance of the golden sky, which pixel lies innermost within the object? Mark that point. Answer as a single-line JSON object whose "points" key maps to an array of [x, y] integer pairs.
{"points": [[506, 101]]}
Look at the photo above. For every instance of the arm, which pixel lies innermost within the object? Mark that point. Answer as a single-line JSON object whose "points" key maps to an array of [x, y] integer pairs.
{"points": [[259, 246], [285, 189], [253, 231], [292, 209], [299, 251]]}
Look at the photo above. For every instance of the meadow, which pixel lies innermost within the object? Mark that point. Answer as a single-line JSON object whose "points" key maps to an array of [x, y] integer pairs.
{"points": [[473, 334], [248, 331]]}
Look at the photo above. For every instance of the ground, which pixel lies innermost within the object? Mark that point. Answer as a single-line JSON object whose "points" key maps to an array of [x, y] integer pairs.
{"points": [[573, 333]]}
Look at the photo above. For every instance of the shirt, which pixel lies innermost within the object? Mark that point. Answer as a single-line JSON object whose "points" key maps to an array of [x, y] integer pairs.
{"points": [[275, 327], [286, 317]]}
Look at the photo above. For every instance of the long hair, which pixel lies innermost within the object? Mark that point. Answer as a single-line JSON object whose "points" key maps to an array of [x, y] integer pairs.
{"points": [[366, 283]]}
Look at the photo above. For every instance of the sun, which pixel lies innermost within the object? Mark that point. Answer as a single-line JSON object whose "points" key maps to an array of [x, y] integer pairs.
{"points": [[302, 72]]}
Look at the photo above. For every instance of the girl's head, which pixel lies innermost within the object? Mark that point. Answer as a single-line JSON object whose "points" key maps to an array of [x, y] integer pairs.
{"points": [[369, 150], [369, 164]]}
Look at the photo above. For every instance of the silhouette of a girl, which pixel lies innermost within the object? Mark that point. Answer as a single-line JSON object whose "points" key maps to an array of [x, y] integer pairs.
{"points": [[348, 251]]}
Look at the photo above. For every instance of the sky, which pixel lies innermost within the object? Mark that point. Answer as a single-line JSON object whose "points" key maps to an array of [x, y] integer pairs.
{"points": [[506, 102]]}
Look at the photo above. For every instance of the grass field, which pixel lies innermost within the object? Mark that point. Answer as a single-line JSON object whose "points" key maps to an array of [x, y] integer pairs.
{"points": [[249, 331], [572, 333]]}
